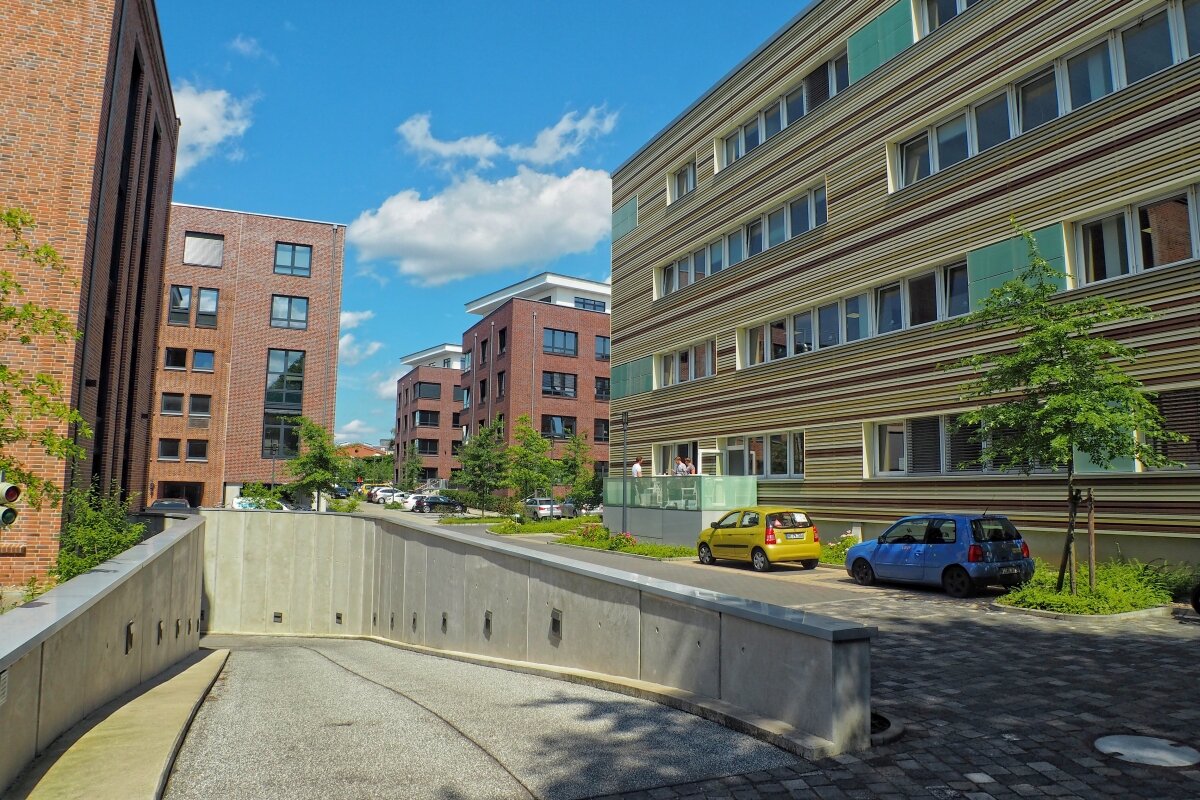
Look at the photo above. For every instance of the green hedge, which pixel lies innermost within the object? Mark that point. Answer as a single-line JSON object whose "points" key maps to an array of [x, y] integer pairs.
{"points": [[1120, 586]]}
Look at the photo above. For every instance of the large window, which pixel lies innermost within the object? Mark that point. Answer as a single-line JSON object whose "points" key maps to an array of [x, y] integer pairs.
{"points": [[777, 454], [1138, 237], [171, 404], [293, 259], [603, 348], [935, 445], [289, 312], [426, 419], [168, 449], [601, 430], [179, 311], [203, 249], [200, 405], [689, 363], [427, 447], [427, 391], [588, 304], [203, 360], [281, 436], [175, 358], [206, 308], [501, 384], [563, 343], [936, 13], [603, 388], [285, 380], [197, 450], [558, 384], [683, 180], [1181, 413], [557, 427]]}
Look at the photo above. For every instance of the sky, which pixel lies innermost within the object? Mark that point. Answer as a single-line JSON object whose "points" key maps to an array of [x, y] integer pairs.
{"points": [[466, 145]]}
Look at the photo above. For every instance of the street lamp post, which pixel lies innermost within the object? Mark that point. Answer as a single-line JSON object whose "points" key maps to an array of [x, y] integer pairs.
{"points": [[624, 471], [274, 453]]}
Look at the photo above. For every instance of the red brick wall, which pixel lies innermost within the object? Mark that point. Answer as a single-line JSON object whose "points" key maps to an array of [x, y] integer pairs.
{"points": [[80, 152], [446, 433], [246, 282]]}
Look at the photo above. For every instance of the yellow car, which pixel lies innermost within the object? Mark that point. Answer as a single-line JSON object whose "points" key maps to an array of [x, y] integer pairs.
{"points": [[761, 535]]}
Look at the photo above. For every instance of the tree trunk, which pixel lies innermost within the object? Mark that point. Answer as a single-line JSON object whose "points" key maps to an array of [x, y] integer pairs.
{"points": [[1072, 505], [1091, 506]]}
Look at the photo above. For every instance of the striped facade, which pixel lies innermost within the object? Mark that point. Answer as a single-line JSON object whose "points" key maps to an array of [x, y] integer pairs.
{"points": [[1133, 146]]}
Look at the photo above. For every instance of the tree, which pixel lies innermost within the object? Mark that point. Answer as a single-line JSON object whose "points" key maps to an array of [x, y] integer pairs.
{"points": [[374, 469], [1060, 390], [411, 468], [266, 498], [31, 408], [576, 462], [317, 466], [484, 460], [530, 467]]}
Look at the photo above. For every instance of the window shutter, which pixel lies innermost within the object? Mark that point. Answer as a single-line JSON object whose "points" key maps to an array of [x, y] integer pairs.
{"points": [[963, 448], [924, 445], [203, 249], [1181, 414]]}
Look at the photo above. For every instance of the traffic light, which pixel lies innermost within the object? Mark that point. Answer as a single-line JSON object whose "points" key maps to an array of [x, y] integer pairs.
{"points": [[9, 494]]}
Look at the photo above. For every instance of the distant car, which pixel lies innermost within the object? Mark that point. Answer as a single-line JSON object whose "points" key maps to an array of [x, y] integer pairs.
{"points": [[761, 535], [543, 508], [434, 503], [411, 501], [959, 552], [171, 504], [340, 492], [389, 495]]}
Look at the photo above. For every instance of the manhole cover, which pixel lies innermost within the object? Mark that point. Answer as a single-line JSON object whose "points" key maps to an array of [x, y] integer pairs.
{"points": [[1148, 750]]}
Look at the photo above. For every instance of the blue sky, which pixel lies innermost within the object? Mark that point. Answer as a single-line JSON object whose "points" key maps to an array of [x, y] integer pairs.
{"points": [[467, 144]]}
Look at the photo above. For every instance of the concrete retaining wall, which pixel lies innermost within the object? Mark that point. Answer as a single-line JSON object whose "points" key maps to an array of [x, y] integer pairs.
{"points": [[97, 636], [284, 573]]}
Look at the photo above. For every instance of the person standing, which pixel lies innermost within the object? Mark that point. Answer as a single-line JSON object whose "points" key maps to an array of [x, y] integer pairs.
{"points": [[636, 471], [680, 467], [691, 468]]}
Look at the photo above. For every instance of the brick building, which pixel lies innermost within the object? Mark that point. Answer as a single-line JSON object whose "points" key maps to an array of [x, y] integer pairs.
{"points": [[88, 148], [428, 400], [247, 339], [541, 350]]}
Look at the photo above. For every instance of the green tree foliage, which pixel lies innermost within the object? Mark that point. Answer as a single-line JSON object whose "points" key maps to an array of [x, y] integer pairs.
{"points": [[484, 461], [575, 465], [1060, 388], [317, 467], [97, 528], [376, 469], [268, 498], [530, 467], [31, 404], [411, 468]]}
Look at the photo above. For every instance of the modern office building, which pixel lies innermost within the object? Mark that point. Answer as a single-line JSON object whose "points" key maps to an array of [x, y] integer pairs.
{"points": [[785, 250], [541, 349], [248, 339], [428, 400], [88, 149]]}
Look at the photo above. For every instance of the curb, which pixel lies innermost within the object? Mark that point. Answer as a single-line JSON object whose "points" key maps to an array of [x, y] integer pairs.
{"points": [[893, 732], [1145, 613]]}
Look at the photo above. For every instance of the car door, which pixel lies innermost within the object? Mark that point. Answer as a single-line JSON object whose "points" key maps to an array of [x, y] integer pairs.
{"points": [[941, 538], [900, 553], [722, 532], [745, 535]]}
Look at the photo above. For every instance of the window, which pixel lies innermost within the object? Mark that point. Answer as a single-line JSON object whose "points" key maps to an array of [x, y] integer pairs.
{"points": [[293, 259], [466, 398], [936, 445], [888, 309], [426, 419], [203, 249], [197, 450], [1037, 101], [1138, 238], [603, 348], [1089, 75], [483, 392], [922, 299], [858, 317], [206, 308], [889, 447], [951, 140], [603, 388], [683, 181], [203, 360], [1165, 231], [557, 427], [939, 12], [171, 404], [175, 358], [168, 449], [180, 309], [588, 304], [563, 343], [1146, 47], [200, 405], [802, 333], [914, 159], [601, 429], [483, 353], [1105, 250], [992, 124], [958, 301], [281, 436], [289, 312], [828, 325], [427, 447], [458, 393], [285, 380], [456, 420], [1180, 410], [777, 454], [502, 342], [424, 390], [698, 360], [558, 384], [1191, 15], [501, 384]]}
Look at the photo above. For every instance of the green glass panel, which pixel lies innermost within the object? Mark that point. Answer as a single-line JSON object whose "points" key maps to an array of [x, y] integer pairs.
{"points": [[989, 267], [880, 39], [632, 377], [1083, 464], [624, 219], [688, 493]]}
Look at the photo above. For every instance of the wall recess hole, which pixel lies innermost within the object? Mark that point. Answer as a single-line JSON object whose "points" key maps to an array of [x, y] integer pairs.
{"points": [[160, 632], [414, 624], [277, 616], [487, 624], [178, 627], [189, 626], [128, 637], [392, 622], [555, 624], [374, 618], [202, 613], [445, 621], [337, 617]]}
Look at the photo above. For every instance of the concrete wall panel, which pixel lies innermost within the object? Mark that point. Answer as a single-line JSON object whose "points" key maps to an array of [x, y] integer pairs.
{"points": [[681, 646], [18, 715], [445, 597], [415, 570], [498, 584]]}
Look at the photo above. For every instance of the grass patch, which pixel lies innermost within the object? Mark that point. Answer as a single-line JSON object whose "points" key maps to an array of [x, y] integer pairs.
{"points": [[599, 538], [835, 552], [1120, 586], [511, 526], [473, 520]]}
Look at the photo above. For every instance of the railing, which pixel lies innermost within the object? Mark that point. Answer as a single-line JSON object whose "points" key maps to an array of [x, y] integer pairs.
{"points": [[684, 493]]}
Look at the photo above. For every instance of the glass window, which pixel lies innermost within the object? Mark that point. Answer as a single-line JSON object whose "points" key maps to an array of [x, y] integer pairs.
{"points": [[667, 375], [797, 452], [427, 419], [733, 148], [775, 228], [200, 405], [601, 430], [779, 339], [684, 361], [952, 142], [563, 343], [857, 318], [683, 273], [668, 279], [197, 450], [889, 442], [802, 333], [281, 437], [991, 122], [914, 159], [168, 449], [1191, 16], [558, 384], [750, 135], [888, 309], [501, 384], [1105, 253], [794, 103], [828, 325], [588, 304], [427, 390], [1166, 235], [1147, 47], [958, 300], [1090, 75], [289, 312], [778, 448], [285, 379], [939, 12], [754, 455], [716, 257], [206, 308], [202, 360], [603, 388], [603, 348], [557, 427], [816, 86], [685, 180], [704, 362], [820, 212], [293, 259], [772, 119], [734, 240], [922, 299], [180, 310], [171, 404], [841, 73], [203, 249], [799, 215], [756, 340], [1037, 100], [175, 358], [699, 264], [754, 240]]}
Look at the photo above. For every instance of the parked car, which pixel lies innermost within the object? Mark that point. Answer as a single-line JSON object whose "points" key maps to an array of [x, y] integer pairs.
{"points": [[959, 552], [543, 508], [435, 503], [340, 492], [390, 495], [171, 504], [411, 501], [375, 491], [761, 535]]}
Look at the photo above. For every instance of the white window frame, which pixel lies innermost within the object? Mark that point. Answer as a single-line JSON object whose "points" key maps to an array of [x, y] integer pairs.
{"points": [[673, 192], [660, 382], [1133, 250], [921, 15]]}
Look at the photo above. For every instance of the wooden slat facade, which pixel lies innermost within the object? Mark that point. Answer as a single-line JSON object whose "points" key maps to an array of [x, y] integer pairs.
{"points": [[1134, 144]]}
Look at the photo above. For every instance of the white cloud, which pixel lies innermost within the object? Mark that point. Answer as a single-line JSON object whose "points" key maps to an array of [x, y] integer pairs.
{"points": [[476, 226], [385, 387], [356, 431], [352, 319], [350, 352], [551, 145], [247, 46], [210, 120]]}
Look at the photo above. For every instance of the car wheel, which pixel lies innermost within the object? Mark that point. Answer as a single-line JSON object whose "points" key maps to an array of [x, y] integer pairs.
{"points": [[863, 574], [810, 563], [706, 556], [957, 582], [759, 560]]}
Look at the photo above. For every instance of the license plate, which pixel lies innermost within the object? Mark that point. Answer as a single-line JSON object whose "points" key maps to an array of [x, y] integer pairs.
{"points": [[1008, 570], [794, 535]]}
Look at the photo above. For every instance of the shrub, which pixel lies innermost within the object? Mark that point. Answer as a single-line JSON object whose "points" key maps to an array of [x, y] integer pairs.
{"points": [[97, 528], [349, 505], [835, 552], [1120, 587], [599, 537]]}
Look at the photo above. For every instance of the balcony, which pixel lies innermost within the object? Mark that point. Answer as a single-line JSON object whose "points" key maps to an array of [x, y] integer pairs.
{"points": [[673, 510]]}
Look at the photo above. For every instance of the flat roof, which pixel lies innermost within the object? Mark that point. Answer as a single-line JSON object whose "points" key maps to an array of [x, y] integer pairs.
{"points": [[447, 348], [538, 283], [259, 214]]}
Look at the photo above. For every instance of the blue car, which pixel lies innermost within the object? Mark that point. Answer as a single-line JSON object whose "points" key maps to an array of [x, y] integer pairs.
{"points": [[959, 552]]}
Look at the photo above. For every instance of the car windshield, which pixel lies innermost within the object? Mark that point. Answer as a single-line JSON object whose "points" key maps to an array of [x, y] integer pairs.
{"points": [[994, 529], [788, 519]]}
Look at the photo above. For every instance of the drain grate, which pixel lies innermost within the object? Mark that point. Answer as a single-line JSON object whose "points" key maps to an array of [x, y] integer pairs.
{"points": [[1148, 750]]}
